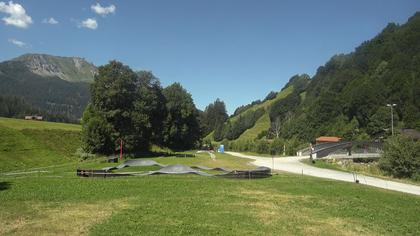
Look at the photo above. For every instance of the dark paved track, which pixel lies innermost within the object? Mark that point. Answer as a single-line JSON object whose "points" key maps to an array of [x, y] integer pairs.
{"points": [[260, 172]]}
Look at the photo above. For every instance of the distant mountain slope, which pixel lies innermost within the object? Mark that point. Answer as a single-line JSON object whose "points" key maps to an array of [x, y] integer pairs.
{"points": [[50, 95], [72, 69]]}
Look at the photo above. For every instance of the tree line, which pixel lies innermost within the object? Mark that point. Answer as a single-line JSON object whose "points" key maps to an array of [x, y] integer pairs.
{"points": [[18, 107], [133, 107], [53, 98], [346, 97]]}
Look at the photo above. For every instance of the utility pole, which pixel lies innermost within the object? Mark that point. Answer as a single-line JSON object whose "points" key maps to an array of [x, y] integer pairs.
{"points": [[392, 116]]}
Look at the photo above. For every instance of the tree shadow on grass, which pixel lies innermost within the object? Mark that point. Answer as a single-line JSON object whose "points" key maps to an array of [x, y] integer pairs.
{"points": [[5, 185]]}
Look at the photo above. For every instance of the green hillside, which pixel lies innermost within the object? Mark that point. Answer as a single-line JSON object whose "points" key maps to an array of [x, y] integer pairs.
{"points": [[30, 144], [256, 118], [263, 123], [347, 96], [23, 91]]}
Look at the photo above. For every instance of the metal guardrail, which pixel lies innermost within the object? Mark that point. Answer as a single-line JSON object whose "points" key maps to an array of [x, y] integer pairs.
{"points": [[354, 156], [324, 149]]}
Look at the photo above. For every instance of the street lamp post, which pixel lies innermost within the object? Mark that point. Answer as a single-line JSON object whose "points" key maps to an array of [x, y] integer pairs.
{"points": [[392, 117]]}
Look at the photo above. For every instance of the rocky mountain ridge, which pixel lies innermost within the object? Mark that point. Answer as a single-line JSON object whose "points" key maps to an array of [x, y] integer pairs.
{"points": [[72, 69]]}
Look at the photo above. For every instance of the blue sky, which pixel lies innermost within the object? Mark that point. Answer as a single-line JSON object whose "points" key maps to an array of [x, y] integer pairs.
{"points": [[235, 50]]}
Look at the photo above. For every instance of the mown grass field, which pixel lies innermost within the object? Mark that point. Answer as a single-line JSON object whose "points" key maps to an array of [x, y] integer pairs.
{"points": [[58, 202], [30, 144]]}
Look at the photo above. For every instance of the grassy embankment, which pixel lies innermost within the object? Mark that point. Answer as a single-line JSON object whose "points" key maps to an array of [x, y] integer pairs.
{"points": [[369, 169], [58, 202], [30, 144]]}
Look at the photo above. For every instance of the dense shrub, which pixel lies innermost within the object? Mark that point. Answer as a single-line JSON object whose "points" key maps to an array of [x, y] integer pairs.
{"points": [[277, 146], [262, 146], [262, 134], [401, 157], [274, 147]]}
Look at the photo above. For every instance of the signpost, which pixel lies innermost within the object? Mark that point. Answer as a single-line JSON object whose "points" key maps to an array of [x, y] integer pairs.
{"points": [[272, 152], [121, 149]]}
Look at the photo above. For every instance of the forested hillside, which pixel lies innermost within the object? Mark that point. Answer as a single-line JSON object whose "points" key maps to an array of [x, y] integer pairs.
{"points": [[347, 97], [24, 92]]}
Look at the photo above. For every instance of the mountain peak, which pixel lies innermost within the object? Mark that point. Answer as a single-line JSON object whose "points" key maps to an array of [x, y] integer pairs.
{"points": [[72, 69]]}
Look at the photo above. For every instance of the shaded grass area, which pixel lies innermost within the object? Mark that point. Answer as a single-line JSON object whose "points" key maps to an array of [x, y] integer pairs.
{"points": [[4, 185]]}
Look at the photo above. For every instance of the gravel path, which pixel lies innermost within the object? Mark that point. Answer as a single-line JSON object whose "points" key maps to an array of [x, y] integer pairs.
{"points": [[294, 165], [212, 156]]}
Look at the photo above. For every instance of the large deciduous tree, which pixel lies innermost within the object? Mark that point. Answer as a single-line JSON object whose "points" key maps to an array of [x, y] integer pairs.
{"points": [[181, 129], [125, 105]]}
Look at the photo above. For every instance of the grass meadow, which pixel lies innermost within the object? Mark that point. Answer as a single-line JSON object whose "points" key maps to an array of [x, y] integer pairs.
{"points": [[40, 194]]}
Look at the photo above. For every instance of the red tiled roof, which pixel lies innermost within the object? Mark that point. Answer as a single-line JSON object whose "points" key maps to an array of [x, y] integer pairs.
{"points": [[328, 139]]}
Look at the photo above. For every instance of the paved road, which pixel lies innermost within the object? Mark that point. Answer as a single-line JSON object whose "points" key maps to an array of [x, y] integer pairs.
{"points": [[293, 165]]}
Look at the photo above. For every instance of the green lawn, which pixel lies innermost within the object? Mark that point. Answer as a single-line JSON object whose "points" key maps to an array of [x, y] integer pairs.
{"points": [[26, 148], [57, 202]]}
